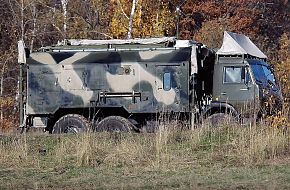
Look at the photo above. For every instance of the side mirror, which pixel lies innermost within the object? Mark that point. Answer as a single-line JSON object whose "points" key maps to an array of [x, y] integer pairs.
{"points": [[27, 52], [247, 79], [245, 75]]}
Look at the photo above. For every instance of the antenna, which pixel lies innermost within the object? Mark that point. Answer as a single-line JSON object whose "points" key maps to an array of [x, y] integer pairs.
{"points": [[179, 12], [177, 24]]}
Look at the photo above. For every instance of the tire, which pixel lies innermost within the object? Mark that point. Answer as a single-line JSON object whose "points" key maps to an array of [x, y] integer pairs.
{"points": [[71, 123], [114, 124], [220, 119]]}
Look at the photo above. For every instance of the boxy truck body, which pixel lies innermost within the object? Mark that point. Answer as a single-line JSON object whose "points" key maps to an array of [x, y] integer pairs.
{"points": [[136, 80]]}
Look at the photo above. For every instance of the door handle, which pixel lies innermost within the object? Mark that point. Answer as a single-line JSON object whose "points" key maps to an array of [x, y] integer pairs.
{"points": [[223, 93]]}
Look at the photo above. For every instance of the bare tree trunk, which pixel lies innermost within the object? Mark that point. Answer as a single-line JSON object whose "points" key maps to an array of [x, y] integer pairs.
{"points": [[1, 94], [156, 28], [131, 19], [157, 15], [64, 4], [1, 89], [22, 20], [34, 27], [140, 14]]}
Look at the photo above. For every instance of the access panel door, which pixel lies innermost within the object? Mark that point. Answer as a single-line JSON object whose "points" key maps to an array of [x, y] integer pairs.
{"points": [[171, 90], [43, 89]]}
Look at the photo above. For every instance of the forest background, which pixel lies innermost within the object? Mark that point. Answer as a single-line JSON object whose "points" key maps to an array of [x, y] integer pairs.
{"points": [[45, 22]]}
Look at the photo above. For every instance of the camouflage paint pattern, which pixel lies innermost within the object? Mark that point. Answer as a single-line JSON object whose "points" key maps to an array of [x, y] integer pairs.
{"points": [[132, 79]]}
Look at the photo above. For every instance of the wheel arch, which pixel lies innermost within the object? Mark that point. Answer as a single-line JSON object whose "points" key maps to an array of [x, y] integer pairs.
{"points": [[219, 107]]}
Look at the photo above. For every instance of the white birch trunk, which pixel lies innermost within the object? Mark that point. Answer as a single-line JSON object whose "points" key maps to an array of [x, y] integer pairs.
{"points": [[131, 19], [64, 8]]}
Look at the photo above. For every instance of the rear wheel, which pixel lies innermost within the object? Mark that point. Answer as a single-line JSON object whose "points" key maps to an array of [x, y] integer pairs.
{"points": [[71, 123], [114, 124]]}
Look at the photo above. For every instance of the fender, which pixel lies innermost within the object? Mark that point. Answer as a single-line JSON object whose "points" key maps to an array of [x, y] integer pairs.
{"points": [[219, 107]]}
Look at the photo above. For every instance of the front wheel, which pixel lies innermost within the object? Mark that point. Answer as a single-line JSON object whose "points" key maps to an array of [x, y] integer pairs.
{"points": [[71, 123], [219, 119]]}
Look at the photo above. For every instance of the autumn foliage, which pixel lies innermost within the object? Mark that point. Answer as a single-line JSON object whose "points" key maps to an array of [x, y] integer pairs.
{"points": [[44, 22]]}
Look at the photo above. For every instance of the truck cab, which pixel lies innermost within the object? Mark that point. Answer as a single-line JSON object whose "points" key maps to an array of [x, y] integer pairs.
{"points": [[243, 79]]}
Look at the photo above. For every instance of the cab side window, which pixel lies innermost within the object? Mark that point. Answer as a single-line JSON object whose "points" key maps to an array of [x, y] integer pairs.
{"points": [[233, 75]]}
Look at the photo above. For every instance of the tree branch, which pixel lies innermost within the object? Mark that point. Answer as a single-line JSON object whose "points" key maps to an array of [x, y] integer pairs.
{"points": [[122, 9]]}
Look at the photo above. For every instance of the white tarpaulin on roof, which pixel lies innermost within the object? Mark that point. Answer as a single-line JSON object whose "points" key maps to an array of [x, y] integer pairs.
{"points": [[239, 44], [119, 42]]}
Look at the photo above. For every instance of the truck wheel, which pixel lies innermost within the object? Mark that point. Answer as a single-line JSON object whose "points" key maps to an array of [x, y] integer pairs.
{"points": [[219, 119], [71, 123], [115, 124]]}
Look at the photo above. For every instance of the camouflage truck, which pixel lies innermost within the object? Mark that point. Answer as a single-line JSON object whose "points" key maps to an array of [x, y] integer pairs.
{"points": [[124, 85]]}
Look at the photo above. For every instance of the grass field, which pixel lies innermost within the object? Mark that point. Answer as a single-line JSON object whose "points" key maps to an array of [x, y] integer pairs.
{"points": [[227, 157]]}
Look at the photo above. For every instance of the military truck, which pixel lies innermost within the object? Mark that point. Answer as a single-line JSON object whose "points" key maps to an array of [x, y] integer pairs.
{"points": [[122, 85]]}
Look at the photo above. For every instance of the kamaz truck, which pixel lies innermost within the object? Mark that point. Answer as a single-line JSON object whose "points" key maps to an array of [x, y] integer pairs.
{"points": [[122, 85]]}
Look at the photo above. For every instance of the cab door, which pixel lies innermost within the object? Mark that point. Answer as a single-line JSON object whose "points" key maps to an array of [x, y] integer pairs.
{"points": [[235, 87]]}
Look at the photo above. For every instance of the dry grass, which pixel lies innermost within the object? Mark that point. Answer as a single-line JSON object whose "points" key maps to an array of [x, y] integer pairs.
{"points": [[243, 144], [168, 151]]}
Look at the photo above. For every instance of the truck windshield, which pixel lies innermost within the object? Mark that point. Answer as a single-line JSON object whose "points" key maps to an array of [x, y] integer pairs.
{"points": [[262, 72]]}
